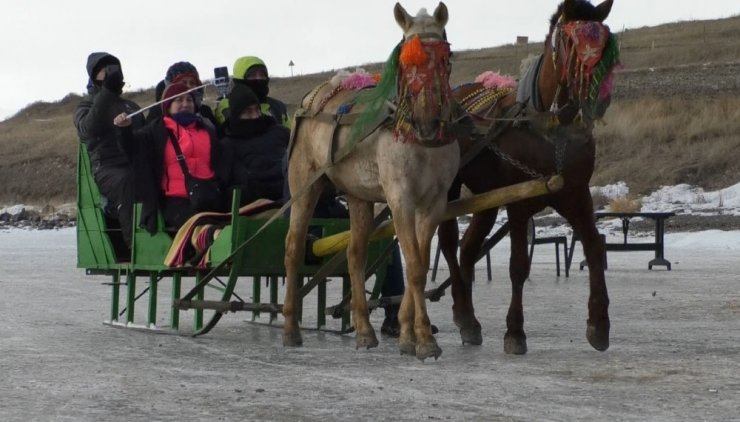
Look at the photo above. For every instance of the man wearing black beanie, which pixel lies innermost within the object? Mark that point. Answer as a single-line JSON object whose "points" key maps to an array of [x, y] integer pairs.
{"points": [[93, 119]]}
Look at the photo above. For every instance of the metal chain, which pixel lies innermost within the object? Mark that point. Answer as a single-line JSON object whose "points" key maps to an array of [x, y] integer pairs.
{"points": [[560, 146], [514, 162]]}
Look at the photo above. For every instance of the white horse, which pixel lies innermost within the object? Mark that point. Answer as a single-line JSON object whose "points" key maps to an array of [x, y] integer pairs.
{"points": [[409, 163]]}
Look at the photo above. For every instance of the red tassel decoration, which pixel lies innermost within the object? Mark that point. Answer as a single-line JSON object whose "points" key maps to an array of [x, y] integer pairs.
{"points": [[412, 53]]}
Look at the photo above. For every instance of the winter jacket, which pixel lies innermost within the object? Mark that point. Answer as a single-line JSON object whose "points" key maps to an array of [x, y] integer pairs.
{"points": [[256, 163], [147, 148]]}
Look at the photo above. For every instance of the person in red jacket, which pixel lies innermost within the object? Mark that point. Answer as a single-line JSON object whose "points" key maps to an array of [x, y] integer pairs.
{"points": [[152, 149]]}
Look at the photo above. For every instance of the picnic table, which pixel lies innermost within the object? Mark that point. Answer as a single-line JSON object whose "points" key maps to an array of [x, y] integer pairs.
{"points": [[658, 245]]}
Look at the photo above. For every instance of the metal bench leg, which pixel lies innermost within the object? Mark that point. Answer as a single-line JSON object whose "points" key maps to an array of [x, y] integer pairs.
{"points": [[488, 264], [436, 262]]}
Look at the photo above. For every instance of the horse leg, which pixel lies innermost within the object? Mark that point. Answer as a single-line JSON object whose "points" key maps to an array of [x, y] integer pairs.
{"points": [[295, 252], [447, 236], [584, 225], [361, 218], [462, 309], [470, 246], [515, 341], [415, 235]]}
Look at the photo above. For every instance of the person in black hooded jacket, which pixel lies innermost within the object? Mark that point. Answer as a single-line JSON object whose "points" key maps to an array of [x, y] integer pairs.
{"points": [[93, 119], [256, 145]]}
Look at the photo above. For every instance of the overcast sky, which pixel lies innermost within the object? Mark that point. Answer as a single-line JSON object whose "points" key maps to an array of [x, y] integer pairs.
{"points": [[44, 43]]}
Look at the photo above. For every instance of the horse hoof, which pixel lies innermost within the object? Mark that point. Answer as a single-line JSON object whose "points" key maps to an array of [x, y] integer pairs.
{"points": [[471, 335], [407, 347], [428, 350], [598, 336], [470, 330], [292, 339], [515, 344], [366, 340]]}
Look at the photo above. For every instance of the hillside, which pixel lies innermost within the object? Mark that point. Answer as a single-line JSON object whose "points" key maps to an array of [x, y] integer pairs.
{"points": [[675, 116]]}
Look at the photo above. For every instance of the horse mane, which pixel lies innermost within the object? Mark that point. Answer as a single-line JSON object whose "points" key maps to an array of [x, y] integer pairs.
{"points": [[583, 11], [374, 99]]}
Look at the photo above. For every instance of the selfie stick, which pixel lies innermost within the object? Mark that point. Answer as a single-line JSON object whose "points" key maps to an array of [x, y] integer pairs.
{"points": [[128, 116]]}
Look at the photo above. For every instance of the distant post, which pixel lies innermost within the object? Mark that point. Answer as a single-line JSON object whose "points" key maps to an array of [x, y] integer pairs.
{"points": [[291, 64], [521, 40]]}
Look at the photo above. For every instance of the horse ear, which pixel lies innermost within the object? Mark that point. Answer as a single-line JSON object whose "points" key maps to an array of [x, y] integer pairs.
{"points": [[603, 10], [441, 15], [403, 19]]}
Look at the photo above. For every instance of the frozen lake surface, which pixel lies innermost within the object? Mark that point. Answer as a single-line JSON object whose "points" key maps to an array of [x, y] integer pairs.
{"points": [[675, 349]]}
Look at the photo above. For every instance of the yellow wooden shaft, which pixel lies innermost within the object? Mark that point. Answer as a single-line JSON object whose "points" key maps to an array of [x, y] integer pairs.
{"points": [[495, 198]]}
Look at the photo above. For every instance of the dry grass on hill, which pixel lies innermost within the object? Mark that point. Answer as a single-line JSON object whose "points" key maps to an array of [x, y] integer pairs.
{"points": [[663, 128], [652, 142]]}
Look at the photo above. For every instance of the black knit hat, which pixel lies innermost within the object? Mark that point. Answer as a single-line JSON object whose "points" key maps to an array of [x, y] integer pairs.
{"points": [[240, 98]]}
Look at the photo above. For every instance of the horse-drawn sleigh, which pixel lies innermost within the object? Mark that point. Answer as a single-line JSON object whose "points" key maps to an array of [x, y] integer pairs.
{"points": [[401, 143]]}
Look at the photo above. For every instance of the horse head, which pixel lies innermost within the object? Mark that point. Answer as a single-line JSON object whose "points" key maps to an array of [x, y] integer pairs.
{"points": [[583, 53], [424, 108]]}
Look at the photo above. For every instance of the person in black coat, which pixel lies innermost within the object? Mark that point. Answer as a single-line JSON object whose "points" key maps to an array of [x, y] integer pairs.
{"points": [[93, 119], [256, 145]]}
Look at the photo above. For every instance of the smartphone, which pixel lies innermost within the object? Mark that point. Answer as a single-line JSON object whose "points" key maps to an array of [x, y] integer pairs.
{"points": [[221, 80]]}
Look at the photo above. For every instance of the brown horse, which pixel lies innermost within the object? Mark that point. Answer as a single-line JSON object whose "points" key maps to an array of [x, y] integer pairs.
{"points": [[553, 138], [410, 164]]}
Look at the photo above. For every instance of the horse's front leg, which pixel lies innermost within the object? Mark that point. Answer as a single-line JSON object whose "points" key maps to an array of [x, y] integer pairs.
{"points": [[295, 250], [415, 236], [361, 220], [582, 220], [515, 341]]}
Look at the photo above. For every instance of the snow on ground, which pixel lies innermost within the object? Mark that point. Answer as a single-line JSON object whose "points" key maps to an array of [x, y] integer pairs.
{"points": [[681, 199]]}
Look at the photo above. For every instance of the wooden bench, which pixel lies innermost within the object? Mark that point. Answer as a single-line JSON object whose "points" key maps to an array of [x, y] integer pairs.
{"points": [[658, 245]]}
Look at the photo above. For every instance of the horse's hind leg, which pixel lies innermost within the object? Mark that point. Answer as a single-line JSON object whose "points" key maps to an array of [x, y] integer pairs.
{"points": [[361, 218], [462, 306], [515, 341], [470, 246], [582, 220], [295, 251]]}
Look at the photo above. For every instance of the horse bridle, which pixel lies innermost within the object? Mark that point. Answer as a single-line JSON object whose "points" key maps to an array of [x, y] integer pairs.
{"points": [[564, 53], [402, 118]]}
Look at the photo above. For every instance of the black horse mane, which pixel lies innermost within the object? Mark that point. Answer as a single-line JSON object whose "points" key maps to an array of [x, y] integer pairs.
{"points": [[583, 11]]}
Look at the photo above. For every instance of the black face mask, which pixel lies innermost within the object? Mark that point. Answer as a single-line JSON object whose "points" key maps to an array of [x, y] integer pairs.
{"points": [[260, 88], [250, 128]]}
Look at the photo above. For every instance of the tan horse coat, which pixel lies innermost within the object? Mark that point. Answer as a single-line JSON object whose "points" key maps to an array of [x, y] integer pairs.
{"points": [[411, 178]]}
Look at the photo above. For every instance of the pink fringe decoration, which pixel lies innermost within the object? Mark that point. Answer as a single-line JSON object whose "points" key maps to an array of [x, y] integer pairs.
{"points": [[495, 80], [353, 81], [358, 80]]}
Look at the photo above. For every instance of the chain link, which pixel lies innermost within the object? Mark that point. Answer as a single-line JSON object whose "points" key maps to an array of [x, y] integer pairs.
{"points": [[560, 145], [514, 162]]}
